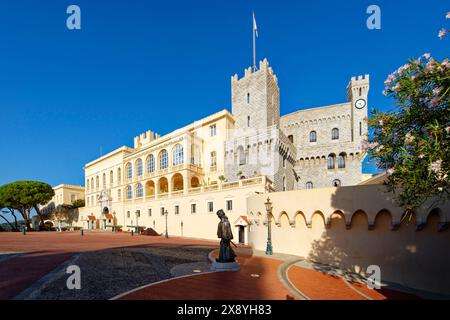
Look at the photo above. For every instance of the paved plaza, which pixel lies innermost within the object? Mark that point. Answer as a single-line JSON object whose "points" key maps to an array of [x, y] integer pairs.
{"points": [[121, 266]]}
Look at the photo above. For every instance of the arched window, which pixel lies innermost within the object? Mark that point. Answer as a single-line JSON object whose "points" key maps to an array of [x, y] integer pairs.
{"points": [[150, 163], [119, 175], [139, 191], [248, 121], [335, 134], [97, 183], [313, 136], [129, 171], [139, 167], [330, 162], [336, 183], [92, 184], [177, 155], [309, 185], [291, 138], [87, 185], [341, 161], [163, 159], [248, 97], [111, 178], [104, 180], [129, 192], [241, 155]]}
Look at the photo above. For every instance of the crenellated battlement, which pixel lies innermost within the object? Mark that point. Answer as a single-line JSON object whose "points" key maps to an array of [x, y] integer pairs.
{"points": [[145, 138], [263, 67]]}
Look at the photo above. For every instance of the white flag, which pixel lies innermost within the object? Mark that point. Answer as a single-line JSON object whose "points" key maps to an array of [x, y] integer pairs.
{"points": [[255, 28]]}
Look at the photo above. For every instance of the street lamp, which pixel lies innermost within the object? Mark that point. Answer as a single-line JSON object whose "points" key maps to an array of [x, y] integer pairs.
{"points": [[166, 235], [268, 205]]}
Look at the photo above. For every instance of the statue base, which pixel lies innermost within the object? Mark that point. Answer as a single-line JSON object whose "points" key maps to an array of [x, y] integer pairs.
{"points": [[225, 266]]}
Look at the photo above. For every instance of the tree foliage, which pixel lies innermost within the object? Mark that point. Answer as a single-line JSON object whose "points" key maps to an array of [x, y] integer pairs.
{"points": [[412, 142], [25, 196]]}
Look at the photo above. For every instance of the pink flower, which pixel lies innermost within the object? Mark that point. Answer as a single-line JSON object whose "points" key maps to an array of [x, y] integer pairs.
{"points": [[381, 122], [435, 102], [436, 166], [448, 15], [390, 171], [442, 33], [396, 87], [447, 129], [426, 55], [436, 91], [385, 92]]}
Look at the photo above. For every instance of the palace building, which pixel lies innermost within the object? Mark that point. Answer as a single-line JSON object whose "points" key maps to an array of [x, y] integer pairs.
{"points": [[182, 178]]}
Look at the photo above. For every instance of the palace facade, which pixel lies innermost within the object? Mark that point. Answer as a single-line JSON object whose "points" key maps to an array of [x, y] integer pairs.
{"points": [[182, 178]]}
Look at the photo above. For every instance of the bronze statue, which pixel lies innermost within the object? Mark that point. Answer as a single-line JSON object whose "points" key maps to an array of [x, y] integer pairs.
{"points": [[224, 232]]}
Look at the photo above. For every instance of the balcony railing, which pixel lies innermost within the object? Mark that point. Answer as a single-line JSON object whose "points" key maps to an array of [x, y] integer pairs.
{"points": [[261, 180]]}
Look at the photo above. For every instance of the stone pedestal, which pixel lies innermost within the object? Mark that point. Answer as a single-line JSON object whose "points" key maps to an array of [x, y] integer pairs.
{"points": [[225, 266]]}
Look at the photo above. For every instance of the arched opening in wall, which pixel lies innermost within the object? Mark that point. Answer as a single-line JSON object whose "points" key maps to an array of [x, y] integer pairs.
{"points": [[150, 188], [433, 220], [195, 183], [163, 185], [383, 220], [359, 220], [337, 220], [283, 219], [318, 220], [241, 155], [177, 182], [300, 220]]}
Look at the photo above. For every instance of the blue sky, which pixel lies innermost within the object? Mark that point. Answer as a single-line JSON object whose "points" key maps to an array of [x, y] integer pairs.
{"points": [[160, 65]]}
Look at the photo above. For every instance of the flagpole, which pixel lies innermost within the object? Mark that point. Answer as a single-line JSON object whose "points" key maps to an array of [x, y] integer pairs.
{"points": [[254, 42]]}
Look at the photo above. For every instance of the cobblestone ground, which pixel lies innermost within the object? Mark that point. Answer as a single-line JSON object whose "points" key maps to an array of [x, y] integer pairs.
{"points": [[109, 272]]}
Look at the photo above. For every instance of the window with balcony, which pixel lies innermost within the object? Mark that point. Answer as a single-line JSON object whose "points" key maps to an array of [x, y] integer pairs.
{"points": [[163, 159], [150, 164], [139, 191], [129, 169], [139, 168], [129, 192], [178, 155]]}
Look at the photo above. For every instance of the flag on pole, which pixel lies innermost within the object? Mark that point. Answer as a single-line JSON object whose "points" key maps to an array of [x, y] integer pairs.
{"points": [[255, 28]]}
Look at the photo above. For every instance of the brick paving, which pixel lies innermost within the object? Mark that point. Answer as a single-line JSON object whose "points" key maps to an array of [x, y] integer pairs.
{"points": [[256, 280]]}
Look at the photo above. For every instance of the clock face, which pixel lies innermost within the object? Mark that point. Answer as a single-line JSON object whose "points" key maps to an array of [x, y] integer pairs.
{"points": [[360, 103]]}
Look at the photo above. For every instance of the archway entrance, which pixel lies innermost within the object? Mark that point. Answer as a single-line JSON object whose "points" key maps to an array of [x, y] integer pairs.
{"points": [[177, 182], [195, 183]]}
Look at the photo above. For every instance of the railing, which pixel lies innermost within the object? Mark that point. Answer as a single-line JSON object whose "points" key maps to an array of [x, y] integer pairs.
{"points": [[260, 180]]}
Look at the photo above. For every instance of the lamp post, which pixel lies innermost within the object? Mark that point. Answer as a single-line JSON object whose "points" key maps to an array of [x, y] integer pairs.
{"points": [[181, 228], [166, 235], [268, 205]]}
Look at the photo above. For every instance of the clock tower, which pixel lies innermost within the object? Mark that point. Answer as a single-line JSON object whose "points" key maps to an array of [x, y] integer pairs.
{"points": [[357, 93]]}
